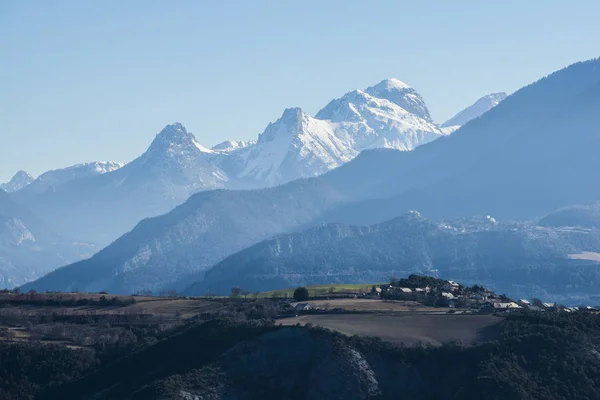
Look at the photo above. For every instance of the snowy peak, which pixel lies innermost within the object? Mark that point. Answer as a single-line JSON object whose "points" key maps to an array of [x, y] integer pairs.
{"points": [[289, 124], [175, 138], [402, 95], [174, 141], [18, 182], [476, 109], [181, 164]]}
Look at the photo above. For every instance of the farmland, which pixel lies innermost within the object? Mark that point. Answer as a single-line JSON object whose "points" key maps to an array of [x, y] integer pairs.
{"points": [[408, 329], [373, 305], [321, 290]]}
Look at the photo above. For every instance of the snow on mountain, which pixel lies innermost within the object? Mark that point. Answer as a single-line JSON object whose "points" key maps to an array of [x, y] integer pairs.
{"points": [[233, 145], [298, 145], [369, 122], [182, 164], [18, 182], [402, 95], [475, 110], [61, 176]]}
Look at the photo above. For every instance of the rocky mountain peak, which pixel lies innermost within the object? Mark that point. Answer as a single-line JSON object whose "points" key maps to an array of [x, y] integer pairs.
{"points": [[18, 182]]}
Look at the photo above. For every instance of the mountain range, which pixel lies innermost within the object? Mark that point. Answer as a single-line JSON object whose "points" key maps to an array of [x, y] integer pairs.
{"points": [[98, 202], [534, 152]]}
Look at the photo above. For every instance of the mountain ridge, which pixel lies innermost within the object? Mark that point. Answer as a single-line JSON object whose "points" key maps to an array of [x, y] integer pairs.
{"points": [[472, 250]]}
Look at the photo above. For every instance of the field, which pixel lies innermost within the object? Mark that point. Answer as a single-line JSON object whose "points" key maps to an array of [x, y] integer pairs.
{"points": [[374, 305], [586, 255], [156, 306], [321, 290], [409, 329]]}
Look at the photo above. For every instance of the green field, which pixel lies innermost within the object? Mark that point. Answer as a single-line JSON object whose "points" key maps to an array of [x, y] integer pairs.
{"points": [[322, 290]]}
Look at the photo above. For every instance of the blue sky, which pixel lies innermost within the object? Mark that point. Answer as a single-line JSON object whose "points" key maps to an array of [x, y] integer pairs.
{"points": [[96, 80]]}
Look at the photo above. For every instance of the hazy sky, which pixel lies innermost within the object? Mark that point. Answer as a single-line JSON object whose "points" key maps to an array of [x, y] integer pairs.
{"points": [[96, 80]]}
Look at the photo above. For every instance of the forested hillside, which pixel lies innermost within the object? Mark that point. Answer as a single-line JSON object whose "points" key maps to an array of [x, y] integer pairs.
{"points": [[551, 356]]}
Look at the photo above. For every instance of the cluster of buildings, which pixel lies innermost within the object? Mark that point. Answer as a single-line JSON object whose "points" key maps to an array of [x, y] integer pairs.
{"points": [[482, 299]]}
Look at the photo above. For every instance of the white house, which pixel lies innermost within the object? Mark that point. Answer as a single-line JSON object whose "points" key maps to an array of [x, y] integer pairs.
{"points": [[303, 307], [451, 286]]}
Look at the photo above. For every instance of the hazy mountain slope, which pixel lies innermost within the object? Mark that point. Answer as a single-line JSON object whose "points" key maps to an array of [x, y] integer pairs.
{"points": [[102, 207], [476, 109], [194, 236], [531, 154], [52, 179], [475, 250], [17, 182], [585, 216], [478, 170], [29, 248]]}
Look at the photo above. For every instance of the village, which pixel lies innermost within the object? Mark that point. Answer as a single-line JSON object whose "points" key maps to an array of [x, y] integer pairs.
{"points": [[438, 294]]}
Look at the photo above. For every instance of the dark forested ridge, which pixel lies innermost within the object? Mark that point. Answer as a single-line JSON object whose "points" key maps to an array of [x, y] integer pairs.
{"points": [[538, 356], [520, 259]]}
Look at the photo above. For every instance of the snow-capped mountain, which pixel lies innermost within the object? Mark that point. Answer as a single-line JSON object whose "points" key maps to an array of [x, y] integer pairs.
{"points": [[18, 182], [475, 110], [182, 164], [296, 145], [369, 122], [57, 177], [387, 115]]}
